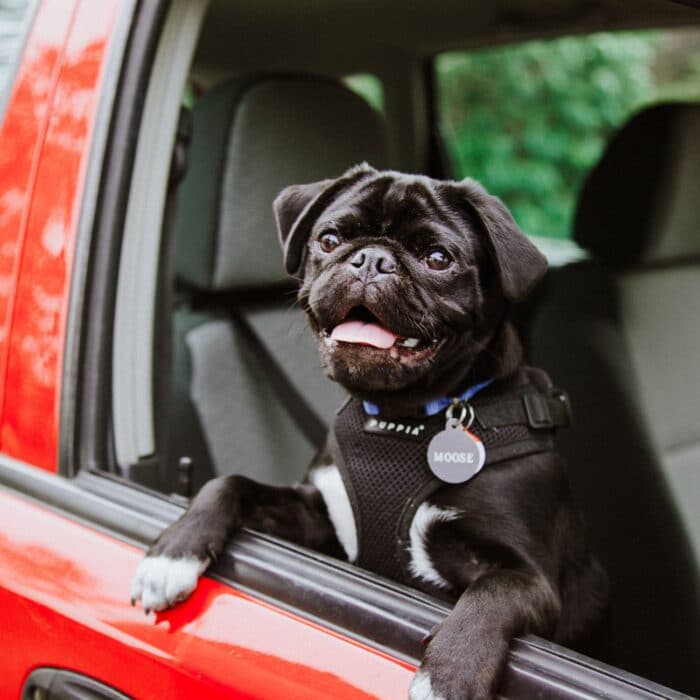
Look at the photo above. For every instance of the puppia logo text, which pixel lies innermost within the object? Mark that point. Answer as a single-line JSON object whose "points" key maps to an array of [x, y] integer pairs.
{"points": [[401, 429], [453, 457]]}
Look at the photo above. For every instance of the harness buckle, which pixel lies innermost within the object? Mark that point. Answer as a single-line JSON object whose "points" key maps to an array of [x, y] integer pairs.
{"points": [[547, 412], [537, 410]]}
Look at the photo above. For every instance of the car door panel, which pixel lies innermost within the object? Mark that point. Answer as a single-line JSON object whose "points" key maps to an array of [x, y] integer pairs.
{"points": [[280, 593], [64, 593]]}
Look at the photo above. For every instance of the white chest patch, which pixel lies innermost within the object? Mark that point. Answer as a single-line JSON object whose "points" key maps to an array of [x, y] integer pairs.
{"points": [[421, 564], [328, 481]]}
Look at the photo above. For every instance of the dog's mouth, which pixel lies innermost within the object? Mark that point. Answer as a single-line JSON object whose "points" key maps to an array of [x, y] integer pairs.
{"points": [[361, 327]]}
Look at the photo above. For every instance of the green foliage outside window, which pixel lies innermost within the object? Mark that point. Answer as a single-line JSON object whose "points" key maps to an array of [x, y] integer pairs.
{"points": [[529, 121]]}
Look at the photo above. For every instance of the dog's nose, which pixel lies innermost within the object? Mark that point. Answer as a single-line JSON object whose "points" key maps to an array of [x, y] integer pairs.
{"points": [[371, 262]]}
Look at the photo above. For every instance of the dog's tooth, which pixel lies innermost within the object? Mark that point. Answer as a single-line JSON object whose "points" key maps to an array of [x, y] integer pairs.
{"points": [[329, 341], [410, 342], [394, 353]]}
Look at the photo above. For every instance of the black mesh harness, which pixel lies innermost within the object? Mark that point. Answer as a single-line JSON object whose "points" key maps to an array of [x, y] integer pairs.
{"points": [[384, 467]]}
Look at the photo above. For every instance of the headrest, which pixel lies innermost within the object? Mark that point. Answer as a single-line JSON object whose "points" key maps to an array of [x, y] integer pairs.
{"points": [[251, 138], [641, 202]]}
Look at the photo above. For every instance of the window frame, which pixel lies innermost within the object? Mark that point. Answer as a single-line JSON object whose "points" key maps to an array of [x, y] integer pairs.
{"points": [[85, 412], [135, 312]]}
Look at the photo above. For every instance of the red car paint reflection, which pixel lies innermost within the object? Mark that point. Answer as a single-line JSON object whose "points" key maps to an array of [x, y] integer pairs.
{"points": [[45, 143]]}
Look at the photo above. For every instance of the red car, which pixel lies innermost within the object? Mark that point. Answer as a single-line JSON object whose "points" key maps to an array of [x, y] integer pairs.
{"points": [[93, 465]]}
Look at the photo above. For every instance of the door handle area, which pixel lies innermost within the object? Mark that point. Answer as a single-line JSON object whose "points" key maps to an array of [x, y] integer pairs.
{"points": [[60, 684]]}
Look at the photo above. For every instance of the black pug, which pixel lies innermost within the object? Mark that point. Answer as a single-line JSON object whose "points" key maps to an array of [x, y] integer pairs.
{"points": [[439, 471]]}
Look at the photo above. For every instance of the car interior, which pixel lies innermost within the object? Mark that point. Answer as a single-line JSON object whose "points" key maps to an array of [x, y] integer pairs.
{"points": [[238, 387]]}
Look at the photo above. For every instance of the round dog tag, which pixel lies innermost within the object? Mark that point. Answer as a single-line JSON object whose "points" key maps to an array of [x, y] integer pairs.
{"points": [[455, 455]]}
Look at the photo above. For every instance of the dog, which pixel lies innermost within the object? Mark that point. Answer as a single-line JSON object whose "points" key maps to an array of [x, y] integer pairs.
{"points": [[440, 469]]}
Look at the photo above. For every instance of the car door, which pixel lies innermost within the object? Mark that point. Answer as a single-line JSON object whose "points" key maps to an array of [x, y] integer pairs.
{"points": [[271, 620]]}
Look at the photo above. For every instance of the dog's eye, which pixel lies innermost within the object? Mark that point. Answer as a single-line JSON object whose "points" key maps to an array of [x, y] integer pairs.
{"points": [[329, 241], [437, 259]]}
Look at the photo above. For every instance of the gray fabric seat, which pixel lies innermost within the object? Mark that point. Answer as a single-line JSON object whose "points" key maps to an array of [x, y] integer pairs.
{"points": [[252, 137], [621, 332]]}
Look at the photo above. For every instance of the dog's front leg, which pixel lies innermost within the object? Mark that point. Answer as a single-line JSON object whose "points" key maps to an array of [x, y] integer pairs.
{"points": [[169, 572], [467, 653]]}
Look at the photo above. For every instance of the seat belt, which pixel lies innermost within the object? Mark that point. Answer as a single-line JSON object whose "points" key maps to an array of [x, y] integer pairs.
{"points": [[295, 403]]}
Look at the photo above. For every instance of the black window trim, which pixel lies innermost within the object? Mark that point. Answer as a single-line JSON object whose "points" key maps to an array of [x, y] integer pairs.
{"points": [[357, 604], [109, 148], [85, 439]]}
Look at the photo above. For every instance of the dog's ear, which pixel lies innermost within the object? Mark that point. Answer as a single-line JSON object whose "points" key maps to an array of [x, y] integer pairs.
{"points": [[298, 207], [519, 263]]}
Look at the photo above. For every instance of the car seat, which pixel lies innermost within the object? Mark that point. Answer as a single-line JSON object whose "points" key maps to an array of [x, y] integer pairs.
{"points": [[238, 337], [621, 332]]}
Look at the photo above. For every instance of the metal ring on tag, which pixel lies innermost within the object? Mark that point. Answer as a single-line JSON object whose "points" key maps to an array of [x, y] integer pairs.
{"points": [[463, 414], [448, 413]]}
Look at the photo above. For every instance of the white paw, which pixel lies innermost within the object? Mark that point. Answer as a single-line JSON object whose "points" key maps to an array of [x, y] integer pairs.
{"points": [[162, 581], [422, 689]]}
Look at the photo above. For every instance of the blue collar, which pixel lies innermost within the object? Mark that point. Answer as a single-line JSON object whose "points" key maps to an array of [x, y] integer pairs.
{"points": [[436, 405]]}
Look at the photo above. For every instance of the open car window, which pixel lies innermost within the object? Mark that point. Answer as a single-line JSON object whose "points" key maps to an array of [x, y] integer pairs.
{"points": [[530, 120], [153, 454]]}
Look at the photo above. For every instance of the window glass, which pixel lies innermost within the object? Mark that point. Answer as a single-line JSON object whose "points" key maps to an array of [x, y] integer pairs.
{"points": [[530, 120], [369, 87], [14, 16]]}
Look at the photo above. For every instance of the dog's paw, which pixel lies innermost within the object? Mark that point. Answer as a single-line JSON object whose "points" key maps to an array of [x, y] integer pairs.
{"points": [[162, 581], [459, 666], [422, 689]]}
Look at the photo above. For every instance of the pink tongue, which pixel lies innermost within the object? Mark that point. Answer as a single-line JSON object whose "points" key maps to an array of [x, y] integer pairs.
{"points": [[364, 334]]}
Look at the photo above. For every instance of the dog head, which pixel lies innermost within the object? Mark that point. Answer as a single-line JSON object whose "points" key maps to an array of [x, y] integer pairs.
{"points": [[405, 279]]}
